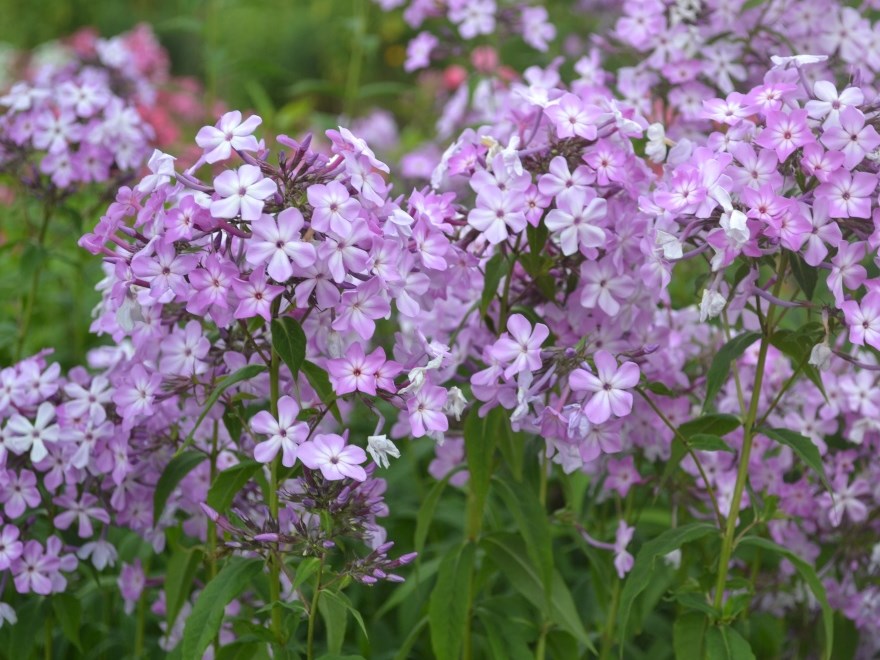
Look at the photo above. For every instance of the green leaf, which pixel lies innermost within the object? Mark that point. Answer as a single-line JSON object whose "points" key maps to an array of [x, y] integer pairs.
{"points": [[177, 468], [229, 482], [306, 569], [26, 631], [480, 436], [496, 268], [508, 553], [802, 446], [659, 388], [448, 605], [531, 519], [719, 424], [688, 632], [505, 640], [345, 603], [720, 367], [179, 574], [335, 621], [707, 442], [645, 563], [805, 274], [204, 622], [808, 575], [725, 643], [425, 516], [319, 380], [245, 373], [289, 341], [68, 612]]}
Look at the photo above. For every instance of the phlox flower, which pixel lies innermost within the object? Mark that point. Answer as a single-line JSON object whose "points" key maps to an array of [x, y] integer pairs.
{"points": [[426, 410], [336, 460], [863, 320], [850, 135], [356, 371], [22, 435], [785, 132], [520, 346], [608, 386], [496, 211], [278, 243], [241, 191], [229, 133], [286, 433]]}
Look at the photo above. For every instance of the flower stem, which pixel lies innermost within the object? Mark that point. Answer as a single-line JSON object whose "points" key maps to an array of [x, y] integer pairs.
{"points": [[28, 309], [749, 425], [274, 562], [607, 632], [313, 612]]}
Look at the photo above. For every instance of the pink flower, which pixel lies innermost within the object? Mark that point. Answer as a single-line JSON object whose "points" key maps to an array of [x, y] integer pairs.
{"points": [[845, 501], [574, 219], [848, 194], [521, 348], [35, 570], [426, 411], [847, 269], [255, 296], [604, 286], [287, 434], [572, 117], [81, 511], [131, 584], [496, 210], [23, 435], [183, 350], [359, 309], [135, 397], [608, 387], [864, 320], [241, 191], [328, 452], [830, 103], [10, 546], [334, 208], [418, 51], [851, 136], [622, 475], [278, 242], [623, 561], [18, 492], [228, 134], [785, 132]]}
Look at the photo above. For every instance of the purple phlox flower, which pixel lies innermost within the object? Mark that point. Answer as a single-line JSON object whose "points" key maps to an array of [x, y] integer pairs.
{"points": [[22, 435], [850, 135], [623, 561], [608, 386], [356, 370], [520, 346], [229, 133], [425, 410], [278, 243], [785, 132], [241, 191], [863, 320], [336, 460], [255, 296], [496, 211], [604, 286], [334, 208], [359, 309], [81, 511], [184, 349], [848, 193], [286, 433]]}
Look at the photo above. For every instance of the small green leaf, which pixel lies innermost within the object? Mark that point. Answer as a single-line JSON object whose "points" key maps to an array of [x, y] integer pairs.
{"points": [[345, 603], [707, 442], [245, 373], [802, 446], [808, 575], [805, 274], [448, 605], [204, 622], [688, 632], [659, 388], [429, 505], [725, 643], [229, 482], [480, 436], [289, 341], [319, 380], [496, 268], [719, 424], [177, 468], [720, 367], [68, 613], [179, 574], [643, 568], [508, 553]]}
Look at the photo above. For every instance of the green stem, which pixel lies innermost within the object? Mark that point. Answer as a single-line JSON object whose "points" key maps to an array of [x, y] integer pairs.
{"points": [[608, 631], [357, 56], [749, 426], [541, 649], [313, 613], [47, 651], [28, 309], [274, 562]]}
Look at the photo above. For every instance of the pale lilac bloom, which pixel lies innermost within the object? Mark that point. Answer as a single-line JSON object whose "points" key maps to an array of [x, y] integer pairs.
{"points": [[537, 31], [845, 501], [242, 191], [829, 102], [572, 117], [623, 561], [418, 51], [473, 17], [184, 349], [90, 400], [228, 134], [824, 231], [356, 371], [604, 286], [334, 209], [165, 270], [359, 309], [609, 387], [22, 435], [336, 460], [426, 411], [34, 570], [850, 135], [136, 396], [848, 194], [10, 547], [496, 211], [560, 181], [785, 132], [279, 243], [255, 296], [19, 492], [520, 347], [286, 433], [574, 220], [864, 320], [81, 511], [131, 584], [819, 162], [847, 269]]}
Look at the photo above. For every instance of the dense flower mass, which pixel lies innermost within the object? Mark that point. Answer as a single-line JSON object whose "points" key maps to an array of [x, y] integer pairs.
{"points": [[538, 282]]}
